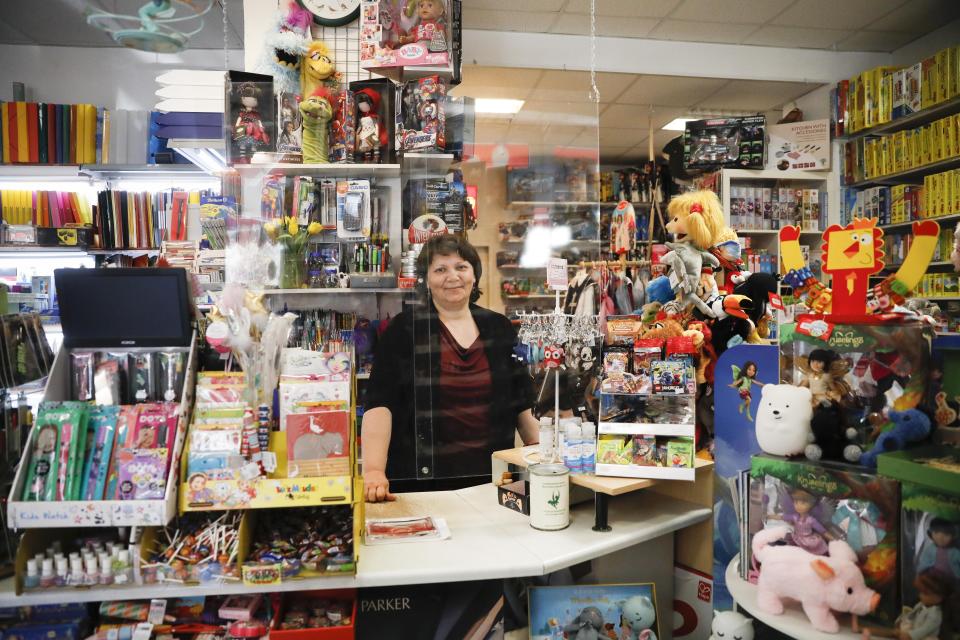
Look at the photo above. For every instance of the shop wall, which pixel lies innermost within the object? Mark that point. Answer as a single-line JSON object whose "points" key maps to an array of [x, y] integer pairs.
{"points": [[107, 76], [946, 36]]}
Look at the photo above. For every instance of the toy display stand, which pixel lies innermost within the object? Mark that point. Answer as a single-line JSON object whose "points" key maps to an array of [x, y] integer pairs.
{"points": [[604, 486], [793, 622]]}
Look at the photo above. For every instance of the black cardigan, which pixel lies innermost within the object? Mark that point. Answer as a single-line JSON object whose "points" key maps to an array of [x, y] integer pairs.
{"points": [[406, 371]]}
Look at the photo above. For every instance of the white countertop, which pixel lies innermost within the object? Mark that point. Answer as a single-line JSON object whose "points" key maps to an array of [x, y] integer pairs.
{"points": [[487, 542]]}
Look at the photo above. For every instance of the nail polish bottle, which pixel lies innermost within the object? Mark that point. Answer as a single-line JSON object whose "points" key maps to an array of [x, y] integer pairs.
{"points": [[47, 579], [32, 579], [76, 572], [63, 571], [92, 575]]}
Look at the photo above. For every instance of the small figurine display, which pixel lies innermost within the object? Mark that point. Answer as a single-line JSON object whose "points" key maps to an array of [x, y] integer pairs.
{"points": [[251, 130], [343, 132], [317, 113], [290, 123]]}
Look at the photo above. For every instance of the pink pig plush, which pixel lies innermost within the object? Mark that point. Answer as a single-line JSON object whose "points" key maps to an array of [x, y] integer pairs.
{"points": [[819, 583]]}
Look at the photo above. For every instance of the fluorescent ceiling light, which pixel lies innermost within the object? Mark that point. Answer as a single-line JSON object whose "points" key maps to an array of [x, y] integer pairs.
{"points": [[678, 124], [497, 105]]}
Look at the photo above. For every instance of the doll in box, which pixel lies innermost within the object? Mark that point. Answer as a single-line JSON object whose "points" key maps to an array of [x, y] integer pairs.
{"points": [[371, 136], [922, 621], [431, 29], [940, 551], [808, 532], [823, 372], [249, 133]]}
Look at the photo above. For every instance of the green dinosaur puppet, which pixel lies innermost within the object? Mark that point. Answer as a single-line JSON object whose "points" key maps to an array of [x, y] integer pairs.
{"points": [[317, 113]]}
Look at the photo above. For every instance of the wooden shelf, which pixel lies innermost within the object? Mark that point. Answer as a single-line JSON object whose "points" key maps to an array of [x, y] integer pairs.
{"points": [[908, 176], [599, 484], [917, 119]]}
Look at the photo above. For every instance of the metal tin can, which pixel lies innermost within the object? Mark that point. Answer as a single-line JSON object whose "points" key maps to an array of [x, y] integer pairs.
{"points": [[549, 496]]}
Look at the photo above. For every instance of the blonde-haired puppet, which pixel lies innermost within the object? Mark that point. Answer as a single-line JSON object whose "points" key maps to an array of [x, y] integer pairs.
{"points": [[695, 219], [317, 69]]}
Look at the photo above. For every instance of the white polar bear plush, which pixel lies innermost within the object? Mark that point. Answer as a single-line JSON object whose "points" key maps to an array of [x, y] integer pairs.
{"points": [[783, 419], [730, 625]]}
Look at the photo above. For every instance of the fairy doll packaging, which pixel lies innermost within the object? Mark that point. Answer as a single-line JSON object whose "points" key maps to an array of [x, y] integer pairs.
{"points": [[824, 501], [930, 487]]}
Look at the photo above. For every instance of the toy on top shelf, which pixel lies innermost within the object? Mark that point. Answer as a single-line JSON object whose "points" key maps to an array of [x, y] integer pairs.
{"points": [[820, 584], [783, 419], [851, 254], [402, 33], [371, 137], [421, 120], [249, 132], [284, 45]]}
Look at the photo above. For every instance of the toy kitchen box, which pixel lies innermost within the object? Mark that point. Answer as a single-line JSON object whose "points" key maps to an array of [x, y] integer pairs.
{"points": [[130, 316], [646, 435]]}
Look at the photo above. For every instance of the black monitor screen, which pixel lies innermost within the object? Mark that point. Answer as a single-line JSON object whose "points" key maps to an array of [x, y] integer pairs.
{"points": [[124, 307]]}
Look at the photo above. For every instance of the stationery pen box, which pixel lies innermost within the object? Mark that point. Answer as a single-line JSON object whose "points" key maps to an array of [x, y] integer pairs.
{"points": [[65, 236]]}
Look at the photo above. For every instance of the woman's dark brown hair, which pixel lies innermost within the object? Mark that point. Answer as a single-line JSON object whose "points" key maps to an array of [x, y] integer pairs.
{"points": [[448, 245]]}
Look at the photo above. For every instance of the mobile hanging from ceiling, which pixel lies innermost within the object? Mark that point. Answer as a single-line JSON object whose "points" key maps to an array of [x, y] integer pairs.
{"points": [[160, 26]]}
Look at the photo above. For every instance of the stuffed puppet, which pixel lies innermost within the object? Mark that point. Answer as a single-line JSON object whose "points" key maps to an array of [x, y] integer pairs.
{"points": [[586, 626], [911, 425], [284, 46], [638, 617], [317, 69], [783, 419], [686, 262], [317, 113]]}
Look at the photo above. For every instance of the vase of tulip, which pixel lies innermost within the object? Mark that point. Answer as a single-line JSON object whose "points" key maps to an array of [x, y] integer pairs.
{"points": [[293, 239]]}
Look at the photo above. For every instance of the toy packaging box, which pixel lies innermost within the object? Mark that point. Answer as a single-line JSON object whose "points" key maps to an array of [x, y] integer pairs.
{"points": [[930, 524], [725, 142], [404, 33], [421, 118], [594, 611], [858, 370], [386, 91], [249, 124], [825, 501]]}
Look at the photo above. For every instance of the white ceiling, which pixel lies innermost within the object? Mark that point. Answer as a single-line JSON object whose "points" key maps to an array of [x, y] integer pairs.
{"points": [[841, 25], [63, 23], [558, 111]]}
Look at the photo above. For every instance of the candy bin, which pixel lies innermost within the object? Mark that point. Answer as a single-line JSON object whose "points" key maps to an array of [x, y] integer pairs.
{"points": [[305, 542], [199, 548], [310, 615]]}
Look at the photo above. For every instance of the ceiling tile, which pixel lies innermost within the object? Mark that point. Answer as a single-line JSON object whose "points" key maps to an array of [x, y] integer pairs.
{"points": [[561, 134], [755, 95], [546, 112], [579, 24], [612, 85], [588, 137], [527, 21], [918, 16], [509, 6], [849, 14], [729, 11], [497, 82], [491, 132], [625, 116], [9, 35], [618, 136], [875, 41], [669, 90], [625, 8], [692, 31], [565, 87], [772, 36]]}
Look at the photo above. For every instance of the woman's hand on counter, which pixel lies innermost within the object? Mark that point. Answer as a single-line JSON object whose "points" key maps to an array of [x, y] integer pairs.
{"points": [[377, 487]]}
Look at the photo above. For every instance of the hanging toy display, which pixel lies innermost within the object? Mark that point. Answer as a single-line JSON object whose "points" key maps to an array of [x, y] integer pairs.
{"points": [[317, 69], [623, 227], [317, 113], [284, 46], [553, 357]]}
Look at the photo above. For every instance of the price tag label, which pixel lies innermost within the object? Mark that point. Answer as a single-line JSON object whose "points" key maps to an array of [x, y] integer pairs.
{"points": [[557, 274], [158, 609]]}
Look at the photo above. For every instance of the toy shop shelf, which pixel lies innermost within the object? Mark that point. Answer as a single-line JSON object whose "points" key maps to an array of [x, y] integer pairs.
{"points": [[331, 169], [126, 252], [648, 429], [910, 176], [907, 225], [41, 172], [793, 622], [922, 117], [523, 204], [402, 74], [896, 265], [428, 163], [774, 232], [138, 171], [33, 248], [747, 174], [650, 473], [310, 292]]}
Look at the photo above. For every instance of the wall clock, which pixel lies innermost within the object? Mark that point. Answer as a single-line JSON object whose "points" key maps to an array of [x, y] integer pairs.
{"points": [[332, 13]]}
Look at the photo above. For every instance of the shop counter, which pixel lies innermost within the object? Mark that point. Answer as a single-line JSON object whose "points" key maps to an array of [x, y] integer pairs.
{"points": [[487, 542]]}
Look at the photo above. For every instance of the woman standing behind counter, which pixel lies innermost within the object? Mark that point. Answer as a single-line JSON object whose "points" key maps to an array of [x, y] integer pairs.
{"points": [[446, 390]]}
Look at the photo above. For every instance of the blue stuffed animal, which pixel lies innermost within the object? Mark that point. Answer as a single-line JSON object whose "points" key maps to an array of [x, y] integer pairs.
{"points": [[909, 426]]}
